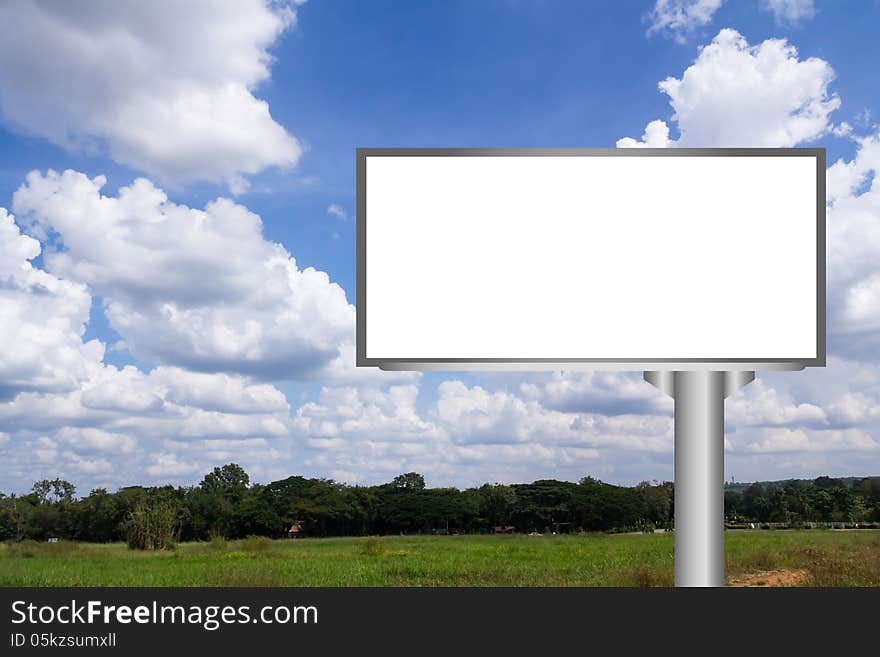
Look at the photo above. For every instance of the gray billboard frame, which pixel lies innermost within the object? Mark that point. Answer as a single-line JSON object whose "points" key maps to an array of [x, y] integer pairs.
{"points": [[631, 364]]}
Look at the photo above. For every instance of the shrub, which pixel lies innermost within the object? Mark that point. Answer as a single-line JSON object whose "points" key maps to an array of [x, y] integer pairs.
{"points": [[152, 527], [217, 544]]}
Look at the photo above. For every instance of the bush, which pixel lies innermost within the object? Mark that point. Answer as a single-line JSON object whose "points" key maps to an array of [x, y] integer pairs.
{"points": [[152, 527], [255, 544], [217, 544]]}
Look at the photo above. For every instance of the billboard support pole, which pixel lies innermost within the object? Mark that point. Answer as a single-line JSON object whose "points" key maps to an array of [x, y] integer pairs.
{"points": [[699, 469]]}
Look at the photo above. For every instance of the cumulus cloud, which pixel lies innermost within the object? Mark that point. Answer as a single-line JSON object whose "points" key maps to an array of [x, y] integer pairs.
{"points": [[855, 408], [218, 392], [127, 417], [469, 435], [477, 416], [656, 135], [166, 92], [735, 94], [461, 465], [680, 18], [164, 403], [91, 439], [86, 466], [42, 321], [759, 404], [854, 252], [474, 415], [789, 11], [610, 393], [170, 271], [805, 440], [366, 413], [166, 464], [199, 289]]}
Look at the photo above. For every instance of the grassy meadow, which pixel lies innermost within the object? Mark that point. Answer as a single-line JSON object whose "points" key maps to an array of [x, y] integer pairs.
{"points": [[818, 557]]}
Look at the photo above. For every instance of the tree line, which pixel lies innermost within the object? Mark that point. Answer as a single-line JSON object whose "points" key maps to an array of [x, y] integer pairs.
{"points": [[226, 504], [797, 502]]}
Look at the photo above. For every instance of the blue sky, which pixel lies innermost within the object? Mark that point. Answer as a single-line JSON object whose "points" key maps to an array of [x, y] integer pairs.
{"points": [[290, 92]]}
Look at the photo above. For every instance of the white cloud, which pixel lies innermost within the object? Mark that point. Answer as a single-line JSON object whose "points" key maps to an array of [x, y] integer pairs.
{"points": [[71, 461], [735, 94], [42, 320], [166, 403], [127, 390], [610, 393], [854, 252], [337, 211], [91, 439], [759, 404], [855, 408], [212, 424], [218, 392], [370, 462], [45, 449], [656, 135], [473, 415], [470, 435], [166, 464], [680, 18], [365, 413], [789, 11], [209, 452], [75, 432], [235, 279], [199, 289], [805, 440], [170, 92]]}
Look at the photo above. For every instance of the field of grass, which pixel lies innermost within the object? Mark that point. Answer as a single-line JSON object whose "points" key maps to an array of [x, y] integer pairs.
{"points": [[827, 558]]}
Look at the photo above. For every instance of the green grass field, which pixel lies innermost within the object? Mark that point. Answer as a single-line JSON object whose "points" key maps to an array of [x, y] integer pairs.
{"points": [[824, 558]]}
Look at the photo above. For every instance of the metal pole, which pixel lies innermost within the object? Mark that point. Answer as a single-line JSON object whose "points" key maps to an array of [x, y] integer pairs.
{"points": [[699, 470], [699, 479]]}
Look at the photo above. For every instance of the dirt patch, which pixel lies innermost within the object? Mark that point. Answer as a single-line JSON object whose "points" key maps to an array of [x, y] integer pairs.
{"points": [[798, 577]]}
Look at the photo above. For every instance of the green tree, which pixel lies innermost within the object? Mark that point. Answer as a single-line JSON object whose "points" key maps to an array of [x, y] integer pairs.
{"points": [[9, 518], [55, 491], [411, 482], [497, 503], [229, 480], [98, 517]]}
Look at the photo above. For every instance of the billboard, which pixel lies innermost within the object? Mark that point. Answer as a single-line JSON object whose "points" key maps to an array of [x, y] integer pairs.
{"points": [[598, 258]]}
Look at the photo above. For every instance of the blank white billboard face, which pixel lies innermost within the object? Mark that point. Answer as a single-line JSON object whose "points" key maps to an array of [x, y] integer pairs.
{"points": [[580, 257]]}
